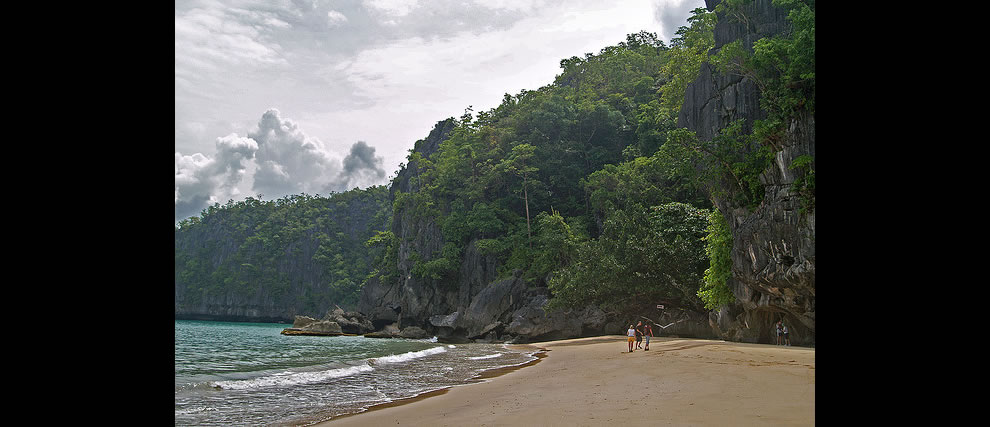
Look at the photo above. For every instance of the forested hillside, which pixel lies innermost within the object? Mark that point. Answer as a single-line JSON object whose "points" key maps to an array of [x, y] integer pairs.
{"points": [[566, 184], [594, 192], [255, 259]]}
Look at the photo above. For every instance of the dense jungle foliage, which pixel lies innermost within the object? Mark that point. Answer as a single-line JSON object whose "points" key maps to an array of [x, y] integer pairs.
{"points": [[584, 185], [566, 184], [301, 251]]}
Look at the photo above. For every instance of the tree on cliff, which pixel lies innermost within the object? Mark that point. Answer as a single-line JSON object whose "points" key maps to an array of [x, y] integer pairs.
{"points": [[641, 259], [518, 163]]}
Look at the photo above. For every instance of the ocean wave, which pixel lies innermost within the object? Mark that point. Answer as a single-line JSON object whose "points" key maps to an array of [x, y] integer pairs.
{"points": [[289, 379], [195, 410], [490, 356], [399, 358]]}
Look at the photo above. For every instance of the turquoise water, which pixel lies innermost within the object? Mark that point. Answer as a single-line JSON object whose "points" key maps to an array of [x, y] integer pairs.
{"points": [[250, 374]]}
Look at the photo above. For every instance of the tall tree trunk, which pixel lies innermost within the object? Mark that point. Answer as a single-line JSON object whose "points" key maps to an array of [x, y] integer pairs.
{"points": [[529, 236]]}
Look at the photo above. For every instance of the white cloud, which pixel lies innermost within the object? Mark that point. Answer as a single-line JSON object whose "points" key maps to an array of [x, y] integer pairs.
{"points": [[382, 72], [362, 167], [275, 159], [478, 68], [672, 14], [335, 18], [289, 160], [393, 8], [201, 181], [213, 37], [517, 5]]}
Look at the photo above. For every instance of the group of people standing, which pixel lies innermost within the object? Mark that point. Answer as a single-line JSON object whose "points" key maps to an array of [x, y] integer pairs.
{"points": [[639, 334], [642, 333]]}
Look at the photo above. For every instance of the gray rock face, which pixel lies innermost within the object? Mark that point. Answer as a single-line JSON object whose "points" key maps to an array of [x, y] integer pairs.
{"points": [[445, 309], [350, 322], [304, 325], [773, 254], [414, 332], [714, 100], [303, 321], [444, 321], [486, 311], [389, 331], [773, 246]]}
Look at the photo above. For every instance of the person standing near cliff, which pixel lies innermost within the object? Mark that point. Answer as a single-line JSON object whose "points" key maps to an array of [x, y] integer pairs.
{"points": [[631, 334], [780, 332]]}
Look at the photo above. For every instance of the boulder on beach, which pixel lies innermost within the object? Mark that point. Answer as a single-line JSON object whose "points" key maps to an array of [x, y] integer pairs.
{"points": [[351, 322], [389, 331], [304, 325], [414, 332]]}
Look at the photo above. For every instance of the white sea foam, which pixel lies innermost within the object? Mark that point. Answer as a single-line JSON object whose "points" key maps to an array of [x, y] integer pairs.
{"points": [[292, 378], [398, 358], [490, 356], [194, 410]]}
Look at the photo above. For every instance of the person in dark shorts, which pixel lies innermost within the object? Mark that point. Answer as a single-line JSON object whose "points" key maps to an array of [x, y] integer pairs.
{"points": [[639, 335]]}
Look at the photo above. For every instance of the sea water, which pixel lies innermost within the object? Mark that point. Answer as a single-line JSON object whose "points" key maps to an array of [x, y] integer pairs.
{"points": [[249, 374]]}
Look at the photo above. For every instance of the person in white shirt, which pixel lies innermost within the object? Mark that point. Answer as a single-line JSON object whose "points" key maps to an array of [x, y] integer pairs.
{"points": [[631, 334]]}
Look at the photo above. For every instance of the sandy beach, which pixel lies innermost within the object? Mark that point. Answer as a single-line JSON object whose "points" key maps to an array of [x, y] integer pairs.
{"points": [[596, 381]]}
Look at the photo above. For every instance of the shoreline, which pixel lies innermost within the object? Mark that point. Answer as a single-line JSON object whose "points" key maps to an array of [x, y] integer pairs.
{"points": [[485, 375], [595, 380]]}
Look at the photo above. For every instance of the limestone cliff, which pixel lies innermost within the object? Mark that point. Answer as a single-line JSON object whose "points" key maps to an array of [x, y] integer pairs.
{"points": [[477, 304], [268, 262], [773, 250]]}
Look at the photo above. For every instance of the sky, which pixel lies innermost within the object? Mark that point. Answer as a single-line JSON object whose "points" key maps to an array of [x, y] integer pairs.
{"points": [[275, 98]]}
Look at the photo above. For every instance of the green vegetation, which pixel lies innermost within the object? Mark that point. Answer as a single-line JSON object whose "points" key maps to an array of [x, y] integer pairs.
{"points": [[728, 166], [585, 186], [566, 183], [641, 258], [718, 246], [804, 186], [304, 251], [782, 66]]}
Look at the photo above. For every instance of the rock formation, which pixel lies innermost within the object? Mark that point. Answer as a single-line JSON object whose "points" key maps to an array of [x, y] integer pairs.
{"points": [[773, 252], [351, 322], [304, 325]]}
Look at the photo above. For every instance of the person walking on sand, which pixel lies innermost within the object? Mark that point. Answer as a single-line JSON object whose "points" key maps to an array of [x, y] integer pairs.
{"points": [[631, 334], [639, 335], [647, 333], [787, 339]]}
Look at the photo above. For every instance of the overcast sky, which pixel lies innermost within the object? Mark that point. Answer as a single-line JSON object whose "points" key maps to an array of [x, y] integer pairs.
{"points": [[287, 97]]}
